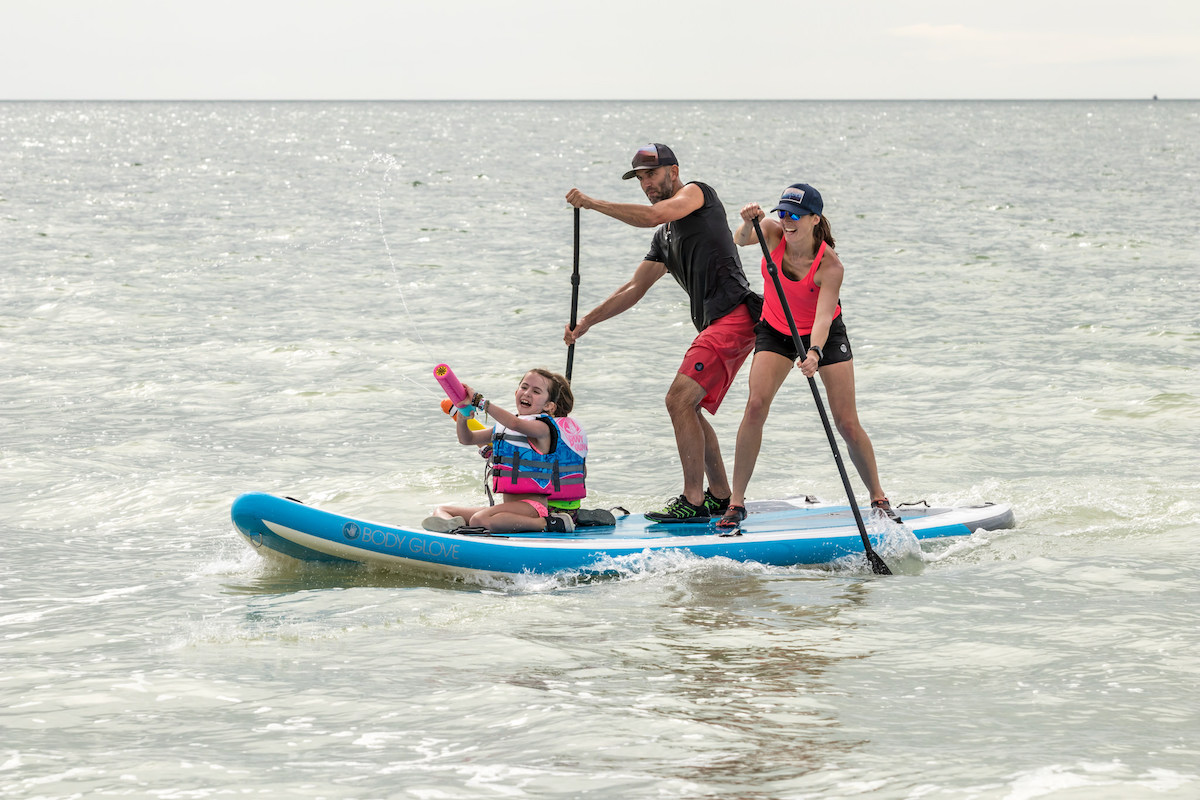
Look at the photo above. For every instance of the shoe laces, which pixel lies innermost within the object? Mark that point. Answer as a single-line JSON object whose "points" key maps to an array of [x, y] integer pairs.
{"points": [[680, 507]]}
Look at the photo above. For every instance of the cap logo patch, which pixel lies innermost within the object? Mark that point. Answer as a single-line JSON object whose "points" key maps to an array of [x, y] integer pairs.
{"points": [[646, 157]]}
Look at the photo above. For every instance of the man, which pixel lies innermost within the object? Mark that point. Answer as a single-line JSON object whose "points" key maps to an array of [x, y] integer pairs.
{"points": [[694, 245]]}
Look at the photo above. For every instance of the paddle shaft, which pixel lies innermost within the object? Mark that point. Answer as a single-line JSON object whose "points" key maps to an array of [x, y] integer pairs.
{"points": [[877, 564], [574, 299]]}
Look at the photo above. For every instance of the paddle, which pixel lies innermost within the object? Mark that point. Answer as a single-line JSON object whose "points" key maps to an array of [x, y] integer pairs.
{"points": [[877, 565], [574, 298]]}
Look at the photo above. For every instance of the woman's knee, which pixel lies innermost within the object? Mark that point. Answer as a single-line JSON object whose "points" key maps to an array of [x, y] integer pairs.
{"points": [[851, 430], [757, 409]]}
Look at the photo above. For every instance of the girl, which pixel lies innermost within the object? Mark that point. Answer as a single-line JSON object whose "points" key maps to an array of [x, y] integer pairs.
{"points": [[537, 461], [810, 272]]}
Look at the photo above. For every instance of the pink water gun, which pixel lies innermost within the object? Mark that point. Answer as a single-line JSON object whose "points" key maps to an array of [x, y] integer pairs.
{"points": [[454, 389]]}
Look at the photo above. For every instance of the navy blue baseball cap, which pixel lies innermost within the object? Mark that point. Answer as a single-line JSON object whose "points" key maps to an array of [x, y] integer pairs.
{"points": [[802, 199], [649, 157]]}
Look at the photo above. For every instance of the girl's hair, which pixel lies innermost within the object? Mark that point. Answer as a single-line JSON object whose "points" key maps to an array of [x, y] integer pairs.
{"points": [[824, 233], [560, 391]]}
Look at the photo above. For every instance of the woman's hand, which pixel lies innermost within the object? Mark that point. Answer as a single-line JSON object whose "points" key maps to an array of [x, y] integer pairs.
{"points": [[808, 364], [745, 234], [751, 212]]}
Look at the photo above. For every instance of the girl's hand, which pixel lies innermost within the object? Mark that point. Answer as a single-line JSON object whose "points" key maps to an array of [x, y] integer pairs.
{"points": [[751, 212], [466, 401]]}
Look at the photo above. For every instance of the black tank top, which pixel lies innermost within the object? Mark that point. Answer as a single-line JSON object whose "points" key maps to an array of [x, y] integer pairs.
{"points": [[699, 252]]}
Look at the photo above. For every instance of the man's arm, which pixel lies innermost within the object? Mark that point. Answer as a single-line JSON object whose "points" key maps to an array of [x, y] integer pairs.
{"points": [[682, 203], [621, 300]]}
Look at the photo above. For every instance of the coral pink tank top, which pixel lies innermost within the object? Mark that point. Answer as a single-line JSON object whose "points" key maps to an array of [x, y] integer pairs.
{"points": [[801, 295]]}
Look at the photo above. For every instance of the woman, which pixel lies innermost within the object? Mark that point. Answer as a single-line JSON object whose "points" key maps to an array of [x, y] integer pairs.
{"points": [[810, 272]]}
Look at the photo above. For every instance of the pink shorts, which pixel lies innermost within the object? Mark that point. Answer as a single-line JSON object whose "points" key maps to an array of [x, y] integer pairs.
{"points": [[716, 355], [543, 512]]}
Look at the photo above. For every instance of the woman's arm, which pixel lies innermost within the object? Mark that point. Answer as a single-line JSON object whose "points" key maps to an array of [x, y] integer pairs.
{"points": [[745, 236], [829, 279]]}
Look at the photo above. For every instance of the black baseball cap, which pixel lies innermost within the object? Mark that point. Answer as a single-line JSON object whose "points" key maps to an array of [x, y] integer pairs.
{"points": [[649, 157]]}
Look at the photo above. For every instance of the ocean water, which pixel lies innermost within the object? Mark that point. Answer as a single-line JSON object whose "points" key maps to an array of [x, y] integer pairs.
{"points": [[202, 299]]}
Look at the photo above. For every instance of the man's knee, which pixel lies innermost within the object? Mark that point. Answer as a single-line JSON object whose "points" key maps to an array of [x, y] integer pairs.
{"points": [[682, 401]]}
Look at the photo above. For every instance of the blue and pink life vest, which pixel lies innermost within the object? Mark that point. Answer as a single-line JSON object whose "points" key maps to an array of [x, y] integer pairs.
{"points": [[517, 468]]}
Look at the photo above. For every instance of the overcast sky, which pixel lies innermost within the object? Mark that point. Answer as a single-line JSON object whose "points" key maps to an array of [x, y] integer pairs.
{"points": [[598, 49]]}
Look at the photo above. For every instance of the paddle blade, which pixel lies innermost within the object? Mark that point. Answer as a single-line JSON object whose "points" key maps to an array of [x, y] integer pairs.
{"points": [[877, 565]]}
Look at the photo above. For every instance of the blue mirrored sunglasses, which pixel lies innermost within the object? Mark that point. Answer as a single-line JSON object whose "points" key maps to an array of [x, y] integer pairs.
{"points": [[787, 214]]}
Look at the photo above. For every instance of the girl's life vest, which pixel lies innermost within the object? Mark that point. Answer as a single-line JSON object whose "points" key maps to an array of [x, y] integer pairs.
{"points": [[517, 468]]}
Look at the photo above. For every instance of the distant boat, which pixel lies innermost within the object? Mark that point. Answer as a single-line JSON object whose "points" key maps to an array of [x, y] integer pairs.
{"points": [[1154, 98]]}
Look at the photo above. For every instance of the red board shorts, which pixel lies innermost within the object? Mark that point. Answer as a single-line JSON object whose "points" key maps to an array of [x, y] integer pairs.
{"points": [[716, 355]]}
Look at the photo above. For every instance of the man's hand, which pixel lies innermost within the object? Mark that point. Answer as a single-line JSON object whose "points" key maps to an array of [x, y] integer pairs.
{"points": [[580, 200], [571, 336]]}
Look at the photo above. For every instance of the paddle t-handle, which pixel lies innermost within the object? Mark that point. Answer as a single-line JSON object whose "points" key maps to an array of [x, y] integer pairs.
{"points": [[453, 388]]}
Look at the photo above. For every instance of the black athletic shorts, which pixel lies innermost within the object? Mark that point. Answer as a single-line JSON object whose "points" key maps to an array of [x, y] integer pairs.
{"points": [[836, 349]]}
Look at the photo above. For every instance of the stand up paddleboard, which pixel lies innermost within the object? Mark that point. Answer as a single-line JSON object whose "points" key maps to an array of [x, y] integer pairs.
{"points": [[777, 532]]}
